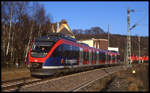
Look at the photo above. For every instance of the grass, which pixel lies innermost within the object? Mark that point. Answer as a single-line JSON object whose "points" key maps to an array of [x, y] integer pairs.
{"points": [[14, 73], [133, 87]]}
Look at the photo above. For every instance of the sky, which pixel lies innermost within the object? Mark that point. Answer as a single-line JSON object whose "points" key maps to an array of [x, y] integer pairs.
{"points": [[86, 14]]}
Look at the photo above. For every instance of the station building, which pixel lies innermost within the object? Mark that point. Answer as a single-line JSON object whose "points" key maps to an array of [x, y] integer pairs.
{"points": [[97, 43]]}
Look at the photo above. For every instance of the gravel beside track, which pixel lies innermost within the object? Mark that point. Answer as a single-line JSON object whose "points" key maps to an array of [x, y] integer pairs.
{"points": [[71, 82]]}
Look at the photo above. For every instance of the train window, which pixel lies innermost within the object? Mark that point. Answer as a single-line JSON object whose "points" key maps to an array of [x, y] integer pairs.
{"points": [[109, 57], [41, 49], [103, 57], [89, 53], [100, 56], [95, 56], [59, 51], [81, 55], [77, 52], [68, 51], [113, 57], [118, 57], [74, 51], [65, 50], [92, 56], [86, 56]]}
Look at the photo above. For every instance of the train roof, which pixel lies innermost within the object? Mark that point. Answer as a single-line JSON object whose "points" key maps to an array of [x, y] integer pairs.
{"points": [[55, 37], [84, 44], [47, 38]]}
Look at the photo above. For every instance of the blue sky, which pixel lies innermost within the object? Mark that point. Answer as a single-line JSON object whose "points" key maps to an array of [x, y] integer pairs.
{"points": [[84, 15]]}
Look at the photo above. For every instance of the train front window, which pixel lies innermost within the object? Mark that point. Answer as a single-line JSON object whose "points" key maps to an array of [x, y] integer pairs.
{"points": [[41, 49]]}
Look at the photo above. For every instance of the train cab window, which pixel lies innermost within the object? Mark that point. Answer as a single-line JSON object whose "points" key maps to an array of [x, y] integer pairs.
{"points": [[41, 49]]}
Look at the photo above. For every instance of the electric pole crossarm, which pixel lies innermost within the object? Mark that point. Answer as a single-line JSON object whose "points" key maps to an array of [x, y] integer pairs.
{"points": [[133, 26]]}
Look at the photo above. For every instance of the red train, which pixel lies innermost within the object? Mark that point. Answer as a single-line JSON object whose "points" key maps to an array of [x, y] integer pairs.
{"points": [[135, 59], [56, 53]]}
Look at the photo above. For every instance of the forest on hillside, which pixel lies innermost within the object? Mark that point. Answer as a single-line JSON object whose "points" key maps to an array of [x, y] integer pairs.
{"points": [[22, 22]]}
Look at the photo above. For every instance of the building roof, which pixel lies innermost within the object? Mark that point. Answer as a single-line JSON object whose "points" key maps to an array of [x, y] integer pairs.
{"points": [[63, 28]]}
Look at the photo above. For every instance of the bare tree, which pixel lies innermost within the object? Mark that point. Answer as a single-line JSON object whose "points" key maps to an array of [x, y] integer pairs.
{"points": [[10, 24], [31, 31], [21, 23], [39, 20]]}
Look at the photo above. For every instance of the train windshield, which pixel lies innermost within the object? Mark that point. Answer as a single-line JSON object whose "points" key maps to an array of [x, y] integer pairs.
{"points": [[41, 49]]}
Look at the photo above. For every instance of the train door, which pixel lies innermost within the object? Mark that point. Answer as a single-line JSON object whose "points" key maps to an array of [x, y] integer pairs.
{"points": [[90, 56], [111, 58], [95, 57], [81, 56], [115, 58], [86, 56], [97, 60], [118, 58], [100, 57], [106, 58]]}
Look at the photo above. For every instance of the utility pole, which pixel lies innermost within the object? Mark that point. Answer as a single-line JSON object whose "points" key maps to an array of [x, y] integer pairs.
{"points": [[128, 36], [139, 49], [108, 35]]}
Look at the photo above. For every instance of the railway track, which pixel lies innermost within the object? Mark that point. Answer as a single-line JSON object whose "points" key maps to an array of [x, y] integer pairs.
{"points": [[13, 85], [56, 84]]}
